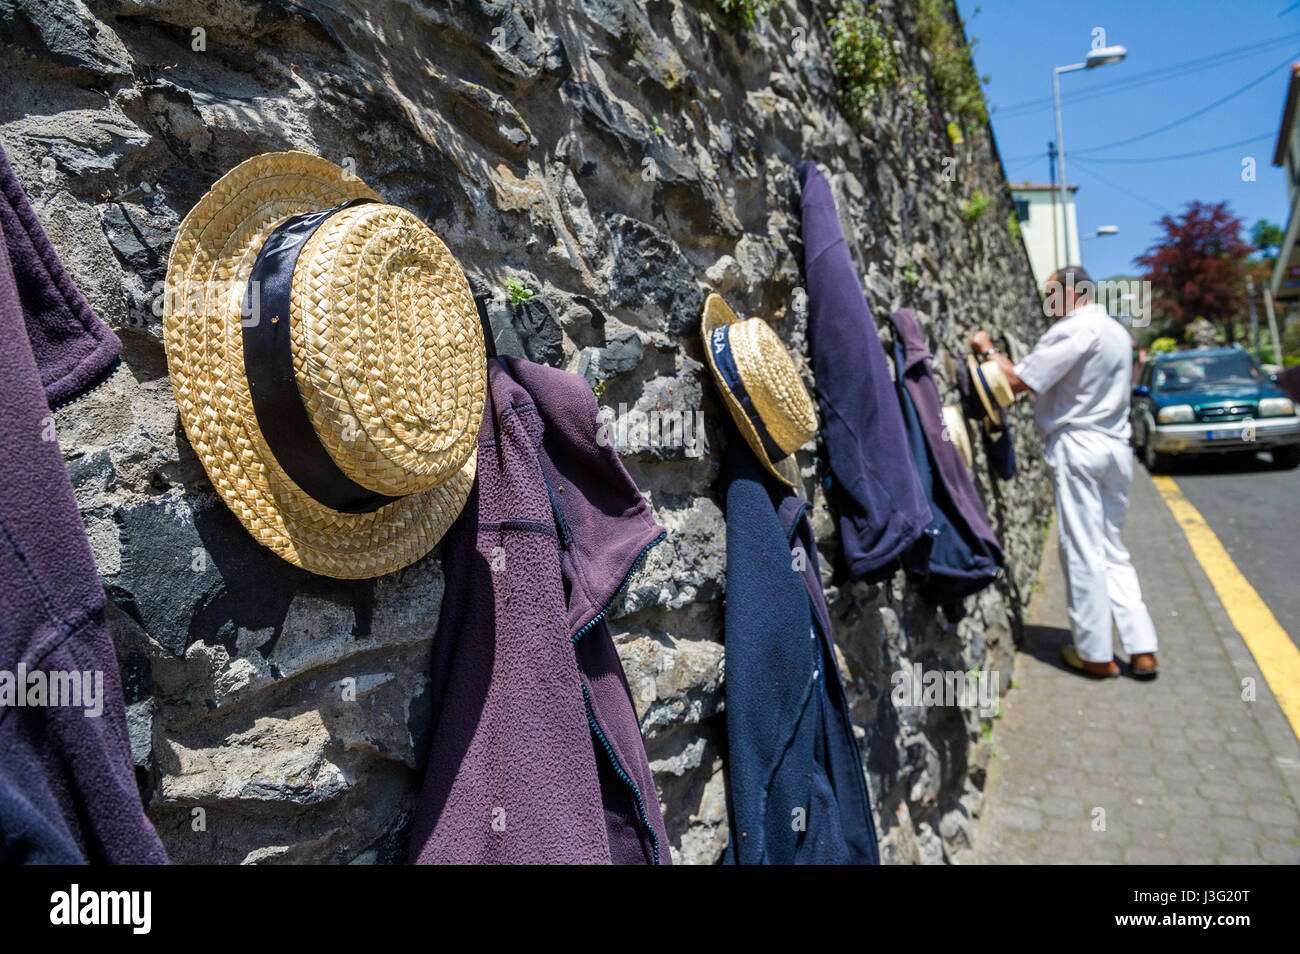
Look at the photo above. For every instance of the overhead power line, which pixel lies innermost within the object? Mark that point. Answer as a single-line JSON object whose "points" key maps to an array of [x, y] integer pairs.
{"points": [[1181, 155], [1011, 172], [1182, 119], [1173, 71], [1119, 188]]}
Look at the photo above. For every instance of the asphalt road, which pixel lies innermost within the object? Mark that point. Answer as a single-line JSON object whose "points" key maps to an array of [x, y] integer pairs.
{"points": [[1254, 510]]}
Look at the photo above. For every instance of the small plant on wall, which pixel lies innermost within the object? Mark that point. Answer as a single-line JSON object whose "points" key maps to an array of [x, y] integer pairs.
{"points": [[912, 274], [865, 61], [960, 89], [973, 209], [746, 12], [517, 292], [916, 104]]}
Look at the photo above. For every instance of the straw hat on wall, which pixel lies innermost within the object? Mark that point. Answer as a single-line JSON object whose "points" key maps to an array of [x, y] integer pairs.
{"points": [[328, 363], [990, 384], [954, 429], [760, 386]]}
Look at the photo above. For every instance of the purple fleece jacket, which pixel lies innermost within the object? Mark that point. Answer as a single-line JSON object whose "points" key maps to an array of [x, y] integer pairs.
{"points": [[882, 506], [919, 381], [67, 784], [536, 754]]}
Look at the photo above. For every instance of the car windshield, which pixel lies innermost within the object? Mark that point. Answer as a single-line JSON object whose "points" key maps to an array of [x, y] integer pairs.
{"points": [[1197, 372]]}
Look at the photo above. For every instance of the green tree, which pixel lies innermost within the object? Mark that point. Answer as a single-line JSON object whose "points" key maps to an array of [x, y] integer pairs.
{"points": [[1267, 237]]}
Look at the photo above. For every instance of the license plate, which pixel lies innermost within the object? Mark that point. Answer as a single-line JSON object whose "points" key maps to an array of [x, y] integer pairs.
{"points": [[1223, 434]]}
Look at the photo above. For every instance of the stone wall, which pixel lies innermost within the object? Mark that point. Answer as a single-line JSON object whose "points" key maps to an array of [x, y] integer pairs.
{"points": [[620, 159]]}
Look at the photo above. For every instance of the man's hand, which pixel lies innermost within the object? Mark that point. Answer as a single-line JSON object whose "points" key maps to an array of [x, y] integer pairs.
{"points": [[982, 344]]}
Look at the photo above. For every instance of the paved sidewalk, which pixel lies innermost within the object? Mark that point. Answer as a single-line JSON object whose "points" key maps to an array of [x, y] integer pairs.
{"points": [[1177, 771]]}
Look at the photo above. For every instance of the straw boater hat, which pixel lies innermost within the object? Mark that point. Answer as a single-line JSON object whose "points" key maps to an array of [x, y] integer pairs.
{"points": [[989, 382], [328, 361], [954, 429], [760, 386]]}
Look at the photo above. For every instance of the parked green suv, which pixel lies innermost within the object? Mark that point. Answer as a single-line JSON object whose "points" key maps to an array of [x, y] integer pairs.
{"points": [[1211, 401]]}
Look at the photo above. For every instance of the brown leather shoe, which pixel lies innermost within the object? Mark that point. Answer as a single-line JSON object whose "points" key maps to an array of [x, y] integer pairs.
{"points": [[1098, 670], [1143, 665]]}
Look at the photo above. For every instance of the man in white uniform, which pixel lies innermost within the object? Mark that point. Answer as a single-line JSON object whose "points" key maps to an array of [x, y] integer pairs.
{"points": [[1080, 373]]}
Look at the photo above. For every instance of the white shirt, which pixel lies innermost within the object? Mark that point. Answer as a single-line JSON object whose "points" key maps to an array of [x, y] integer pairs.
{"points": [[1081, 375]]}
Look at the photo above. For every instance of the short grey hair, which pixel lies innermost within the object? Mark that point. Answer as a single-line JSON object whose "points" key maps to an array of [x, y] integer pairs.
{"points": [[1075, 278]]}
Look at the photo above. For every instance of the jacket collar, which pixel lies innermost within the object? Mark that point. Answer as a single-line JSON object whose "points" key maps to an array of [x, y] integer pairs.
{"points": [[605, 525], [908, 330], [73, 348]]}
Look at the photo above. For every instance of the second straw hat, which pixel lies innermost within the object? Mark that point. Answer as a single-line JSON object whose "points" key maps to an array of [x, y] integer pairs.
{"points": [[760, 386], [990, 384], [328, 363], [954, 429]]}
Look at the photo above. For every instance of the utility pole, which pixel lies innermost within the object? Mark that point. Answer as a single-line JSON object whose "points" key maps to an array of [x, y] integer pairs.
{"points": [[1060, 157], [1056, 248], [1272, 326], [1254, 319]]}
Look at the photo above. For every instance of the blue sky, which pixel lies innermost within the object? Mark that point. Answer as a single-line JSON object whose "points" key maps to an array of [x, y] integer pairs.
{"points": [[1183, 55]]}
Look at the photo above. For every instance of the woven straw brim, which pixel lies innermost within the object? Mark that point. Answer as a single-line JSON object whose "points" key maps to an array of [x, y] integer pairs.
{"points": [[954, 423], [992, 416], [998, 383], [391, 369], [772, 382]]}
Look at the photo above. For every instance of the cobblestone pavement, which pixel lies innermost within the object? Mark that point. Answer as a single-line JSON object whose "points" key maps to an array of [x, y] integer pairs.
{"points": [[1179, 771]]}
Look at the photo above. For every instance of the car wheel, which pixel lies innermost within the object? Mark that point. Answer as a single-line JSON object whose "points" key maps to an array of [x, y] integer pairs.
{"points": [[1156, 462], [1286, 458]]}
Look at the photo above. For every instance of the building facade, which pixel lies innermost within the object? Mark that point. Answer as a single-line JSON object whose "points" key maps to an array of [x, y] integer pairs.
{"points": [[1045, 230], [1285, 283]]}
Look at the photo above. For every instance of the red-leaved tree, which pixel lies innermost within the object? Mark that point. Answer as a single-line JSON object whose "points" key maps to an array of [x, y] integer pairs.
{"points": [[1198, 270]]}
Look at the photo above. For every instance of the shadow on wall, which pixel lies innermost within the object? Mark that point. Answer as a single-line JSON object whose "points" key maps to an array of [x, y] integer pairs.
{"points": [[272, 696], [205, 579]]}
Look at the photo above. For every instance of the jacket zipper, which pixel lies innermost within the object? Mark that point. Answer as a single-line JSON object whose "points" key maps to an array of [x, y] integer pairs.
{"points": [[623, 776], [621, 587], [591, 715], [95, 385]]}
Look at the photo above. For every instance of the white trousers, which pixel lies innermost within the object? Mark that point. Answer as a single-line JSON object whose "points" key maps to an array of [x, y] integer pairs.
{"points": [[1092, 473]]}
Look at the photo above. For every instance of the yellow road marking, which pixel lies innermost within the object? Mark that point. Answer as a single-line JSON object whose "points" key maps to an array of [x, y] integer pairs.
{"points": [[1276, 654]]}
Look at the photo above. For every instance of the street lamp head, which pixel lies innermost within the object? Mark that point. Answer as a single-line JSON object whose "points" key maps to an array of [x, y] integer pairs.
{"points": [[1102, 230], [1105, 55]]}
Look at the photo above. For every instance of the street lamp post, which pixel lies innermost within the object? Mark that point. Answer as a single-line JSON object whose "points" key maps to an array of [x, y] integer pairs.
{"points": [[1102, 56]]}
